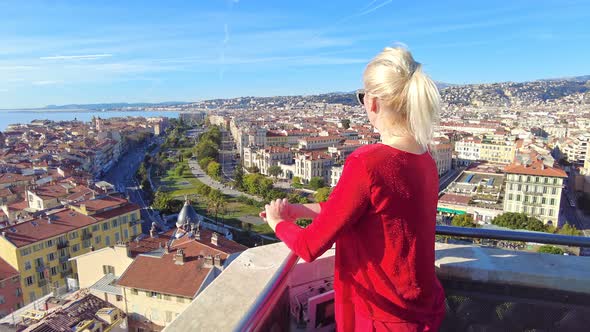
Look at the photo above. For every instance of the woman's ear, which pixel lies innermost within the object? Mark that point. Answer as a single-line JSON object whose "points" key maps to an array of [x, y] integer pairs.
{"points": [[374, 106]]}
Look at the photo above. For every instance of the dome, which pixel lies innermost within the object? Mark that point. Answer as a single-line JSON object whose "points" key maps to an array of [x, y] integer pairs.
{"points": [[187, 215]]}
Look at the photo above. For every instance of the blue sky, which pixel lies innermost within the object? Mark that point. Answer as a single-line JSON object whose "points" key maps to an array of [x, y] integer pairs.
{"points": [[60, 52]]}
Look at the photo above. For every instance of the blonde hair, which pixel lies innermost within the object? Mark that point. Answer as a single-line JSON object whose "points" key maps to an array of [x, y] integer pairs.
{"points": [[397, 80]]}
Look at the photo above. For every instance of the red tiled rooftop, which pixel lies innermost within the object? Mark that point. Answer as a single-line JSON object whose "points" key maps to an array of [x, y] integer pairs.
{"points": [[536, 168], [6, 270], [163, 275]]}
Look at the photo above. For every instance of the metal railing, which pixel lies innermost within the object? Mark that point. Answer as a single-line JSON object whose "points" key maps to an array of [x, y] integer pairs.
{"points": [[268, 298], [534, 237]]}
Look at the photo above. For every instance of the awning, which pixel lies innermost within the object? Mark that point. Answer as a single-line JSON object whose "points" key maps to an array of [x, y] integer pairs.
{"points": [[447, 210]]}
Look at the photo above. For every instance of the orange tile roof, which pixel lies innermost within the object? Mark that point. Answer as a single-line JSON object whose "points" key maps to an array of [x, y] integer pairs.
{"points": [[535, 168], [63, 221], [163, 275], [6, 270]]}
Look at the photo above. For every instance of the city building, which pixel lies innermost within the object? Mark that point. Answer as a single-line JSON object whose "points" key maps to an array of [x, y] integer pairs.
{"points": [[533, 186], [159, 285], [442, 152], [11, 295], [39, 249], [311, 164]]}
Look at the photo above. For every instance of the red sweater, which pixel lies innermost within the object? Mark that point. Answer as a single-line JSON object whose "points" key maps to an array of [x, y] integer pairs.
{"points": [[382, 217]]}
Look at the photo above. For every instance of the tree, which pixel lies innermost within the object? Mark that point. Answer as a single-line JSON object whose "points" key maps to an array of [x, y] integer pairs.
{"points": [[274, 171], [547, 249], [187, 154], [295, 198], [514, 220], [345, 123], [214, 170], [568, 229], [206, 148], [204, 163], [316, 182], [296, 181], [463, 220], [254, 169], [322, 194], [162, 201], [141, 172], [213, 134], [303, 222], [216, 203], [239, 177]]}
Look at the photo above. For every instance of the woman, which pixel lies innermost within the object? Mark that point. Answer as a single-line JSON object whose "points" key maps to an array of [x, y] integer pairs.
{"points": [[382, 212]]}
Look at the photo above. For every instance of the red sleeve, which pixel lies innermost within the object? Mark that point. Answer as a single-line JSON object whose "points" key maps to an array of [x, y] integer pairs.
{"points": [[347, 203]]}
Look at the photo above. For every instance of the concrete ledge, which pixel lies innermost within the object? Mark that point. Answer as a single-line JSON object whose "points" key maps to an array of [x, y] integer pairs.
{"points": [[227, 299], [557, 272]]}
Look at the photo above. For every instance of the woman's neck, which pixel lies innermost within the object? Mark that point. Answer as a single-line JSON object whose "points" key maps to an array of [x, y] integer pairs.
{"points": [[402, 141]]}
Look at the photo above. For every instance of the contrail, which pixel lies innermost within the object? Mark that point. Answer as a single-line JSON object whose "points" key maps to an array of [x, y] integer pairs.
{"points": [[370, 10]]}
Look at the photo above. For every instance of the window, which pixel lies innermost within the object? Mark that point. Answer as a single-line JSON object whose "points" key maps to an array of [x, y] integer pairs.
{"points": [[51, 257], [546, 180], [519, 186], [41, 275], [19, 291], [2, 301], [105, 226], [550, 212], [114, 223], [554, 191], [53, 270], [552, 201], [108, 269], [107, 240], [117, 237], [97, 239], [95, 228], [25, 251], [134, 291], [543, 200], [86, 243], [510, 196], [180, 299], [155, 315], [154, 295], [526, 199], [544, 190], [73, 235], [27, 265], [76, 247], [39, 261], [50, 243], [29, 280], [167, 297]]}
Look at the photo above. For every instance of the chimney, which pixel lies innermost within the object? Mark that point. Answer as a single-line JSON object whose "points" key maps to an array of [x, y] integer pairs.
{"points": [[208, 261], [124, 245], [49, 219], [198, 235], [153, 231], [4, 234], [217, 260], [179, 257], [214, 238]]}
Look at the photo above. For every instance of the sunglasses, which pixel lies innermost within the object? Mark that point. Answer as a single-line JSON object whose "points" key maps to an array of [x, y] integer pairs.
{"points": [[360, 96]]}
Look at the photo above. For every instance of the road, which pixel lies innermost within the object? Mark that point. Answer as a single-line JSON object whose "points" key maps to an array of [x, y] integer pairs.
{"points": [[573, 216], [122, 176], [227, 154], [448, 178]]}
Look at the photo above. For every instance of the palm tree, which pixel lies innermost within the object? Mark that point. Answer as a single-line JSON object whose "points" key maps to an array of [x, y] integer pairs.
{"points": [[216, 203]]}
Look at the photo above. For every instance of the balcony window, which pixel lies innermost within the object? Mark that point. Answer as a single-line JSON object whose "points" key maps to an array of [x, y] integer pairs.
{"points": [[29, 280], [28, 265]]}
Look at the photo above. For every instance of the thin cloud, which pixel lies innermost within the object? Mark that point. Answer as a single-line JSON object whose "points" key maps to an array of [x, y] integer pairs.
{"points": [[48, 82], [370, 10], [76, 57]]}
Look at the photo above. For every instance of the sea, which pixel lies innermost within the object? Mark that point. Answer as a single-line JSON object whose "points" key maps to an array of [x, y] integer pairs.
{"points": [[8, 117]]}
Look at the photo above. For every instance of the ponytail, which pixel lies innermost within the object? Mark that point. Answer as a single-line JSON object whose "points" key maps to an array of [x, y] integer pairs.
{"points": [[398, 81], [422, 106]]}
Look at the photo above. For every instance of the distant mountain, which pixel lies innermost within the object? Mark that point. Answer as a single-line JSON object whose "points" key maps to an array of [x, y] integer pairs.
{"points": [[113, 105]]}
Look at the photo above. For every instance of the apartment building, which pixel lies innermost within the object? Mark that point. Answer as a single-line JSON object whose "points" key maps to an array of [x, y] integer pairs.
{"points": [[319, 142], [575, 149], [335, 174], [484, 148], [313, 164], [11, 295], [274, 138], [40, 249], [442, 152], [533, 186], [158, 286]]}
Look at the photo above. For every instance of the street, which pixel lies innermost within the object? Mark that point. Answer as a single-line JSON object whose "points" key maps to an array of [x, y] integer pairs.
{"points": [[122, 176], [573, 216]]}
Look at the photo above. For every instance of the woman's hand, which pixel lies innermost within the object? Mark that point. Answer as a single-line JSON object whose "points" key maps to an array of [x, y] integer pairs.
{"points": [[275, 212]]}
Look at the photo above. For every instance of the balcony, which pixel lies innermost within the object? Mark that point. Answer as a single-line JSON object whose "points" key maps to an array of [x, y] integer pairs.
{"points": [[66, 273], [488, 289], [40, 268], [63, 259], [86, 236], [62, 244]]}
